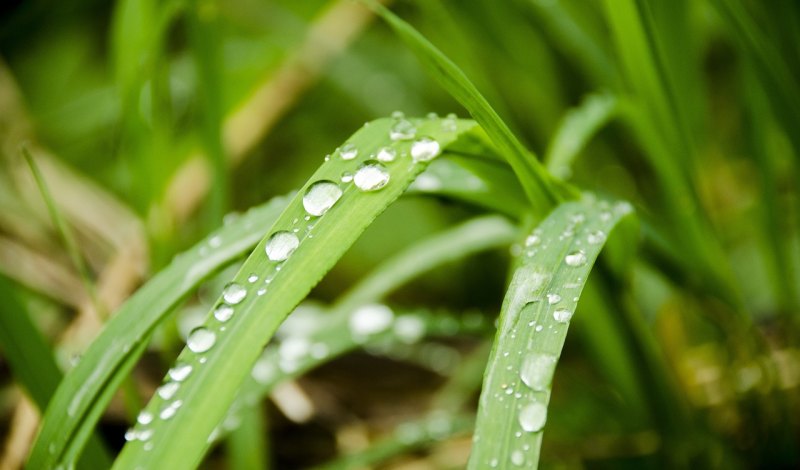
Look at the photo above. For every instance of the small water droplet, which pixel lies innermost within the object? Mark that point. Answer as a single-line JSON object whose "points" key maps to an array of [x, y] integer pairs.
{"points": [[533, 240], [596, 237], [562, 315], [518, 458], [144, 418], [321, 196], [449, 124], [409, 328], [223, 313], [130, 435], [347, 177], [179, 372], [539, 328], [168, 390], [402, 130], [371, 176], [281, 245], [537, 370], [533, 417], [553, 299], [371, 319], [263, 371], [493, 463], [432, 115], [398, 114], [201, 339], [145, 435], [348, 152], [215, 241], [261, 292], [252, 278], [169, 411], [576, 258], [234, 293], [387, 154], [425, 149]]}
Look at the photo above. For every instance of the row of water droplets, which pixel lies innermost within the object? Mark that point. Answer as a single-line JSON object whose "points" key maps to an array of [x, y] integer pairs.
{"points": [[320, 196], [536, 368]]}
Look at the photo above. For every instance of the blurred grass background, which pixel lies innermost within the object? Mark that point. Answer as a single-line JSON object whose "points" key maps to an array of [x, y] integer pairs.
{"points": [[152, 120]]}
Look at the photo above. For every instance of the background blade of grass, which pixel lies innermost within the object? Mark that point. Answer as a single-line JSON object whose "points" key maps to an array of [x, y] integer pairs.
{"points": [[541, 189], [112, 354], [225, 364], [533, 325]]}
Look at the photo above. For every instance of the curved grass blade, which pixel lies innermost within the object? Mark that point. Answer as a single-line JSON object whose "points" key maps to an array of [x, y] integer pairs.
{"points": [[113, 354], [539, 304], [542, 190], [576, 129], [302, 248]]}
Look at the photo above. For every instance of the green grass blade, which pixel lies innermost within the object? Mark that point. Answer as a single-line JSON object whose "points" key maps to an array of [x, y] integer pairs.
{"points": [[87, 388], [540, 187], [247, 444], [224, 353], [576, 129], [534, 320]]}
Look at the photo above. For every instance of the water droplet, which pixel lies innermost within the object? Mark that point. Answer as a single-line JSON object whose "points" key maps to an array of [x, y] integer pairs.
{"points": [[371, 319], [223, 313], [321, 196], [179, 372], [553, 299], [537, 370], [387, 154], [562, 315], [144, 418], [215, 241], [402, 130], [145, 435], [576, 258], [398, 115], [130, 435], [539, 328], [518, 458], [449, 124], [596, 237], [261, 292], [425, 149], [168, 390], [432, 115], [201, 339], [347, 177], [263, 371], [493, 463], [371, 176], [532, 417], [409, 328], [281, 245], [169, 411], [348, 152], [148, 446], [252, 278], [533, 240], [234, 293]]}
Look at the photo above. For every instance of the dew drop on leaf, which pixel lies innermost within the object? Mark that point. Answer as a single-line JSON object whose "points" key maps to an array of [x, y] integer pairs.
{"points": [[425, 149], [180, 372], [348, 152], [201, 340], [532, 417], [223, 313], [347, 177], [402, 130], [387, 154], [518, 458], [576, 258], [234, 293], [371, 176], [537, 370], [371, 319], [281, 245], [321, 196], [562, 315], [144, 418], [596, 237], [553, 299], [168, 390]]}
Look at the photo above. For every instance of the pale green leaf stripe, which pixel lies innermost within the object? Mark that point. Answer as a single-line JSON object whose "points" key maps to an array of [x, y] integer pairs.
{"points": [[542, 190], [180, 441], [109, 356], [575, 130], [543, 294]]}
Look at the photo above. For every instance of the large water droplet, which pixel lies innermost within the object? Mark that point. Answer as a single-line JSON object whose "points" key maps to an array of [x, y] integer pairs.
{"points": [[168, 390], [425, 149], [532, 417], [179, 372], [281, 245], [234, 293], [223, 313], [321, 196], [537, 370], [201, 340], [402, 130], [371, 319], [387, 154], [348, 152], [562, 315], [371, 176], [576, 258]]}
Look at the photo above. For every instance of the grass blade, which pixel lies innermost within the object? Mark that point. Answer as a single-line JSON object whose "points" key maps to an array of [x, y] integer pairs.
{"points": [[222, 354], [534, 320], [543, 192], [113, 354]]}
